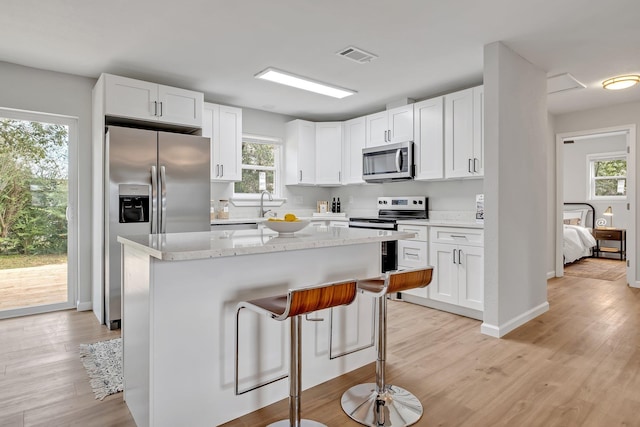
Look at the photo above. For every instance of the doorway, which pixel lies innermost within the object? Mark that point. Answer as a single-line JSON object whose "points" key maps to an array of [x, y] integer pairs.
{"points": [[578, 156], [38, 229]]}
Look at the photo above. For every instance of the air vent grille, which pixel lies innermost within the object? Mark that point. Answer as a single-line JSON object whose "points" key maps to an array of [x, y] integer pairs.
{"points": [[358, 55]]}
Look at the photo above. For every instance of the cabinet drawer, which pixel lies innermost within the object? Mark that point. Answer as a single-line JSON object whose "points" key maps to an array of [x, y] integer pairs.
{"points": [[456, 235], [607, 234], [412, 254], [420, 230]]}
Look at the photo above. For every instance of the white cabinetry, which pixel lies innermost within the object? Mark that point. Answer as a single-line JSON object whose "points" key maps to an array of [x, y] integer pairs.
{"points": [[224, 126], [463, 133], [390, 126], [300, 151], [413, 253], [354, 141], [429, 138], [140, 100], [458, 258], [328, 153]]}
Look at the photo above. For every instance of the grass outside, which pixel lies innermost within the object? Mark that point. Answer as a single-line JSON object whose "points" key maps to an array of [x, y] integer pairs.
{"points": [[24, 261]]}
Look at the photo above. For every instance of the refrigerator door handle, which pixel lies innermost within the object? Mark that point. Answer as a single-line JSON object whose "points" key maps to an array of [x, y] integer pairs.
{"points": [[154, 198], [163, 198]]}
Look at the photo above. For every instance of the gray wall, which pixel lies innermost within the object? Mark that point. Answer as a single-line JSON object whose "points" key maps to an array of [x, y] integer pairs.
{"points": [[516, 132], [49, 92]]}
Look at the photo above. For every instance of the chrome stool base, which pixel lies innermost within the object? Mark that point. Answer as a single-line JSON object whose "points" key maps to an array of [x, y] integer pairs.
{"points": [[394, 407], [303, 423]]}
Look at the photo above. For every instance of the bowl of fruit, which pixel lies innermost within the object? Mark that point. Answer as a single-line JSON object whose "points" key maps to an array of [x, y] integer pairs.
{"points": [[286, 226]]}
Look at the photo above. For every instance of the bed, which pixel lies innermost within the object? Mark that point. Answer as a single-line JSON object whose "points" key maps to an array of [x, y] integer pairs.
{"points": [[578, 223]]}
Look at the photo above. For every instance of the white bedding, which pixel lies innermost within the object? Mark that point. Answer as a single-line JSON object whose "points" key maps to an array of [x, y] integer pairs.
{"points": [[578, 242]]}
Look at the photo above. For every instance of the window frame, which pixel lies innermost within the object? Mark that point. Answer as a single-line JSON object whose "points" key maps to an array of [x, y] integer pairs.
{"points": [[591, 178], [253, 199]]}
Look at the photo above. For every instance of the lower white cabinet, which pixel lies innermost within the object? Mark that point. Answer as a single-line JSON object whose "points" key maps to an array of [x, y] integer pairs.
{"points": [[457, 255], [413, 253]]}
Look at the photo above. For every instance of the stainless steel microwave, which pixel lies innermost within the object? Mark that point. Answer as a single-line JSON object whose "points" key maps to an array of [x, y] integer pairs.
{"points": [[390, 162]]}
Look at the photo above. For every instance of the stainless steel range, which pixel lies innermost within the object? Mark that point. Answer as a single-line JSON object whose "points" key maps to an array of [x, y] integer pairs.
{"points": [[390, 210]]}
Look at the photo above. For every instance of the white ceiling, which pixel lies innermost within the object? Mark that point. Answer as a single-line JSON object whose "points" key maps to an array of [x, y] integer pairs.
{"points": [[425, 47]]}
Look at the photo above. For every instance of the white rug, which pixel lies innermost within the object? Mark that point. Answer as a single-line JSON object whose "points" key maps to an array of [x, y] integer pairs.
{"points": [[103, 362]]}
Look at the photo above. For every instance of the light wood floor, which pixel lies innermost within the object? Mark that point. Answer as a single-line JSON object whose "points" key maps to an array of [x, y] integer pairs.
{"points": [[576, 365], [32, 286]]}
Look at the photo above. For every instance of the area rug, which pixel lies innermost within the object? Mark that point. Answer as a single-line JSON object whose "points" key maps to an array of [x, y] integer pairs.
{"points": [[597, 268], [103, 362]]}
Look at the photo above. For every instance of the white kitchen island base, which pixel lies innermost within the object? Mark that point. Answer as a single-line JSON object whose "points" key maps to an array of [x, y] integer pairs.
{"points": [[179, 319]]}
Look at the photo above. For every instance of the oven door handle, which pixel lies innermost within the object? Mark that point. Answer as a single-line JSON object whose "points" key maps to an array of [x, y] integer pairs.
{"points": [[369, 225]]}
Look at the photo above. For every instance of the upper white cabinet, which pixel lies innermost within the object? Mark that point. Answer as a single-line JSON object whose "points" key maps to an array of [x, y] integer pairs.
{"points": [[463, 133], [328, 153], [354, 140], [137, 99], [223, 125], [390, 126], [429, 138], [300, 151]]}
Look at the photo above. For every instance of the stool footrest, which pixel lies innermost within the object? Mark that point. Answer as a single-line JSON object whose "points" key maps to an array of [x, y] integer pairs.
{"points": [[303, 423], [394, 406]]}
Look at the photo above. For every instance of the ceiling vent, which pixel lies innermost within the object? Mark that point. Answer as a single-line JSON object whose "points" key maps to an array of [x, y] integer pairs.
{"points": [[357, 55], [562, 82]]}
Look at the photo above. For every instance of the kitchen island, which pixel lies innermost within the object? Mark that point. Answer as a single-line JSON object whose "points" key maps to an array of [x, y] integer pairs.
{"points": [[180, 293]]}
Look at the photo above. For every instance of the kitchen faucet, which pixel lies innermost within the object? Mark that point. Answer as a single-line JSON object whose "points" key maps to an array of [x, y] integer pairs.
{"points": [[262, 211]]}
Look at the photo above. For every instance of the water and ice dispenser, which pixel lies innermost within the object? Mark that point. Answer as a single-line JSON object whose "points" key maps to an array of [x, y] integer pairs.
{"points": [[134, 202]]}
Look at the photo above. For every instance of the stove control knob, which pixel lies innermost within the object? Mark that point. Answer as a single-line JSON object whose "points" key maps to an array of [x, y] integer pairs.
{"points": [[385, 202], [379, 202], [415, 202], [420, 201]]}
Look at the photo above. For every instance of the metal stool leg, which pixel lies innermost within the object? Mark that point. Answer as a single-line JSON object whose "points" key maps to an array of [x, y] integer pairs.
{"points": [[379, 404], [295, 380]]}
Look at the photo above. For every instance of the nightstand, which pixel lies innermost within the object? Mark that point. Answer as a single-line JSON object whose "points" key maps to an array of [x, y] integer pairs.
{"points": [[611, 235]]}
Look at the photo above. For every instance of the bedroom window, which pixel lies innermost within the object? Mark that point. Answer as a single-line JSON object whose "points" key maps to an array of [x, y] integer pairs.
{"points": [[608, 176]]}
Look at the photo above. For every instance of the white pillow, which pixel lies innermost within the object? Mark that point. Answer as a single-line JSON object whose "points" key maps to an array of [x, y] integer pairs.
{"points": [[580, 214]]}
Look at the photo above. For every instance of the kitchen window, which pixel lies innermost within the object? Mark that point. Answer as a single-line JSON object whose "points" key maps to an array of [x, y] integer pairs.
{"points": [[607, 176], [261, 168]]}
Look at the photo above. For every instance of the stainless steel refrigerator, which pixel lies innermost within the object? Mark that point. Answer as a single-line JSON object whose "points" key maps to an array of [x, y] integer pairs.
{"points": [[155, 182]]}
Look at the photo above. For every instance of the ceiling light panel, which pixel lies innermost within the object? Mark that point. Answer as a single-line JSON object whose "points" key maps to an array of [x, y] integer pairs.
{"points": [[621, 82], [305, 83]]}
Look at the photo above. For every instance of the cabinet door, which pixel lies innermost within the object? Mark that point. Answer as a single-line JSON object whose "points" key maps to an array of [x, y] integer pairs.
{"points": [[230, 143], [135, 99], [444, 283], [377, 129], [412, 254], [429, 138], [400, 122], [471, 277], [458, 134], [180, 106], [209, 124], [353, 142], [306, 153], [478, 130], [328, 153], [353, 326]]}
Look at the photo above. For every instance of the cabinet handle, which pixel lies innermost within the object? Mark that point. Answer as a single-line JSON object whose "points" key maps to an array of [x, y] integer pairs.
{"points": [[454, 256], [221, 170], [460, 256], [155, 108], [339, 176], [474, 164], [389, 135], [458, 236], [217, 171], [300, 175], [469, 165], [160, 108], [412, 255]]}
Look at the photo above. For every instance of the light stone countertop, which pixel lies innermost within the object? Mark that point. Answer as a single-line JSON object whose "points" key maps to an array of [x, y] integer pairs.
{"points": [[258, 220], [202, 245]]}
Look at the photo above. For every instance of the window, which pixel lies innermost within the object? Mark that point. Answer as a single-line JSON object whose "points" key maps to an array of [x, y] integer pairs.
{"points": [[608, 176], [261, 167]]}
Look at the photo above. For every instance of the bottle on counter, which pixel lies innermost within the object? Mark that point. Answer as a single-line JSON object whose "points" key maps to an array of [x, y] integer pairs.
{"points": [[338, 205], [223, 209], [333, 205]]}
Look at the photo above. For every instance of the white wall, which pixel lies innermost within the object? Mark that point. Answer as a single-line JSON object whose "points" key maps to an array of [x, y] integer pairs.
{"points": [[576, 175], [601, 118], [516, 135], [32, 89], [551, 201]]}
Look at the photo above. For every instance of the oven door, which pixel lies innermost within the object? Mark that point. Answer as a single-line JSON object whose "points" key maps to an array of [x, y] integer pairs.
{"points": [[389, 250]]}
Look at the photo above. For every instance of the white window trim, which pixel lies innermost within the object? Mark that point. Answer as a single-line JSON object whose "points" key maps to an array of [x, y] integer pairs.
{"points": [[253, 200], [591, 158]]}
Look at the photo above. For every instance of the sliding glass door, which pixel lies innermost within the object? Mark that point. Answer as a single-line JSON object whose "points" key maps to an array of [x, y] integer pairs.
{"points": [[37, 199]]}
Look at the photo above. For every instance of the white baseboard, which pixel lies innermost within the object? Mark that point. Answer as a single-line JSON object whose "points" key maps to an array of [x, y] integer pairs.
{"points": [[84, 306], [635, 285], [498, 331], [551, 274]]}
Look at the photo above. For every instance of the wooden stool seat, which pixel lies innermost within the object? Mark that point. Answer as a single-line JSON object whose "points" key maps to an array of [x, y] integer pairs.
{"points": [[293, 305], [381, 404]]}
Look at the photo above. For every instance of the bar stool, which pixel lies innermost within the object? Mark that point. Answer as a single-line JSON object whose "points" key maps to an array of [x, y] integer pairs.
{"points": [[293, 305], [381, 404]]}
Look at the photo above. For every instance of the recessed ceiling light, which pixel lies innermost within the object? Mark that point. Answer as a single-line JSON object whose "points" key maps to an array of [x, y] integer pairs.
{"points": [[621, 82], [305, 83]]}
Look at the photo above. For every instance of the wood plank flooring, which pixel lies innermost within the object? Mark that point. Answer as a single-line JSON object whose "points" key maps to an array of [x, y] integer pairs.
{"points": [[576, 365]]}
